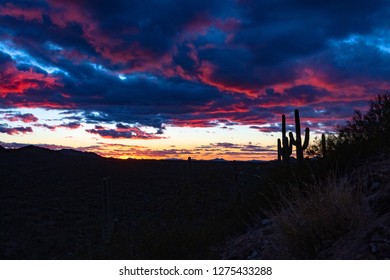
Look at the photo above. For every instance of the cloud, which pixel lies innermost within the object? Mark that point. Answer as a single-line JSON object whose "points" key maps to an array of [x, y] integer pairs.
{"points": [[21, 13], [226, 147], [267, 128], [15, 82], [15, 117], [124, 132], [4, 128], [51, 127], [71, 125]]}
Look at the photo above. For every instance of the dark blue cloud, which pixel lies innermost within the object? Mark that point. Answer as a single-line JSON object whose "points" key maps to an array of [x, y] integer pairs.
{"points": [[4, 128], [124, 132]]}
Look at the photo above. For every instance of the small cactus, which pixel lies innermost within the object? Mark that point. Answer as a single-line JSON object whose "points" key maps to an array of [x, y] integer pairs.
{"points": [[299, 147]]}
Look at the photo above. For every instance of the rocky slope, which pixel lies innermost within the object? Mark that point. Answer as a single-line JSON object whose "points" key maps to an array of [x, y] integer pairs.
{"points": [[371, 240]]}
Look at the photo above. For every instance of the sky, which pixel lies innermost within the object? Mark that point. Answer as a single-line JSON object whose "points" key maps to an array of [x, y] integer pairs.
{"points": [[172, 79]]}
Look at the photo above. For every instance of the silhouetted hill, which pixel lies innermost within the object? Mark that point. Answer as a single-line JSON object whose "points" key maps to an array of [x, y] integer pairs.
{"points": [[70, 152], [38, 158], [33, 150], [39, 152], [218, 159]]}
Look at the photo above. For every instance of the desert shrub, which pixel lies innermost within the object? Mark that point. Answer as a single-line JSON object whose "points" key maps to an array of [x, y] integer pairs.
{"points": [[313, 217], [374, 126], [365, 134], [315, 148]]}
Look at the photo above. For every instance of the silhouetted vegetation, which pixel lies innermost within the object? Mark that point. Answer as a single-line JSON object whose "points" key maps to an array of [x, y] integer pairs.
{"points": [[372, 128], [362, 136], [285, 145], [336, 194]]}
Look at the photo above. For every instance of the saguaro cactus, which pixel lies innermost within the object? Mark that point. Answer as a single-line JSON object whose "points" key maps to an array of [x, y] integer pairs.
{"points": [[299, 147], [284, 152]]}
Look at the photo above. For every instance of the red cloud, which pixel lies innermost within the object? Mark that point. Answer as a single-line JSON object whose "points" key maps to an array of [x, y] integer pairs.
{"points": [[113, 48], [194, 122], [14, 81], [21, 13], [206, 76]]}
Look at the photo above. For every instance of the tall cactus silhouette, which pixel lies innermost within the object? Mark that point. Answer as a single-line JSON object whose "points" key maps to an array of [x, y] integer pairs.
{"points": [[297, 142], [285, 150]]}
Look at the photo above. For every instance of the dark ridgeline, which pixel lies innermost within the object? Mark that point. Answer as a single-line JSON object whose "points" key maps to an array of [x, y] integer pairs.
{"points": [[285, 150]]}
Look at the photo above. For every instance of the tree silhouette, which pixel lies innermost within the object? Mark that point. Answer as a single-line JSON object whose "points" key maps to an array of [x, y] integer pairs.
{"points": [[372, 128]]}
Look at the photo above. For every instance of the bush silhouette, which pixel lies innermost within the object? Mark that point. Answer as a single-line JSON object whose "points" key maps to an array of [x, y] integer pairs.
{"points": [[362, 136], [370, 128]]}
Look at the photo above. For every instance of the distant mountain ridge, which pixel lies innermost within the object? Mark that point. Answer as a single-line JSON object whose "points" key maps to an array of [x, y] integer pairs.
{"points": [[71, 152], [39, 151]]}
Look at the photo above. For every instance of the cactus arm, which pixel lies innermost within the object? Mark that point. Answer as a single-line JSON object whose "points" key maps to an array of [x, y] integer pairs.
{"points": [[284, 146], [307, 139], [298, 141], [292, 140], [288, 149], [297, 120], [285, 149], [284, 131]]}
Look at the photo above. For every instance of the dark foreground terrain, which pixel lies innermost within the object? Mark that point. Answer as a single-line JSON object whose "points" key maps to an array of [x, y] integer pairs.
{"points": [[53, 207]]}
